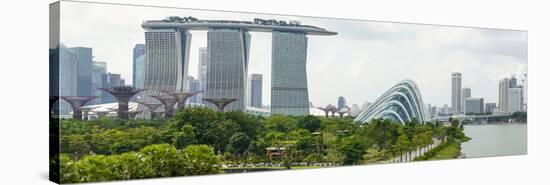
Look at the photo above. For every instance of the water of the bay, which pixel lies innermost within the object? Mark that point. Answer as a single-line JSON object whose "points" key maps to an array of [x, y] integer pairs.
{"points": [[495, 140]]}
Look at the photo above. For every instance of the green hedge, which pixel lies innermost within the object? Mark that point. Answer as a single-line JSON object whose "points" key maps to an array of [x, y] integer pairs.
{"points": [[161, 160]]}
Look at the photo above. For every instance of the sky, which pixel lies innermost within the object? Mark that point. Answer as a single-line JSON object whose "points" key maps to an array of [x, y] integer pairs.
{"points": [[364, 60]]}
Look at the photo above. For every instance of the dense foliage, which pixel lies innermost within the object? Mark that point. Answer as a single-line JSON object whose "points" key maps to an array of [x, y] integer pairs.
{"points": [[161, 160], [199, 141], [519, 117]]}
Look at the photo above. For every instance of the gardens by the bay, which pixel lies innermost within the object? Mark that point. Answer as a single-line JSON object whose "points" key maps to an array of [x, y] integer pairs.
{"points": [[198, 141]]}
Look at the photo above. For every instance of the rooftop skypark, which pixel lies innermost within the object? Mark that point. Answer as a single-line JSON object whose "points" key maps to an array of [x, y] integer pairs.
{"points": [[260, 25]]}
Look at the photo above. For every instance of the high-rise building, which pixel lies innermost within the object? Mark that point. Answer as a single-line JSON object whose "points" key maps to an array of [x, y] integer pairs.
{"points": [[490, 107], [446, 109], [289, 89], [466, 93], [341, 102], [194, 86], [66, 78], [503, 93], [473, 105], [433, 111], [139, 73], [98, 70], [228, 51], [138, 51], [202, 73], [227, 58], [513, 82], [456, 97], [515, 99], [83, 70], [256, 90], [166, 62]]}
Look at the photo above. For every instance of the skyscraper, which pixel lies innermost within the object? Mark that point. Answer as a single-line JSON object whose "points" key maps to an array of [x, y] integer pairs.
{"points": [[456, 97], [138, 51], [256, 90], [445, 109], [503, 93], [289, 89], [490, 107], [228, 51], [341, 102], [67, 77], [98, 70], [202, 73], [227, 58], [473, 105], [515, 99], [83, 70], [433, 111], [466, 93], [194, 86], [513, 82], [139, 73], [166, 62]]}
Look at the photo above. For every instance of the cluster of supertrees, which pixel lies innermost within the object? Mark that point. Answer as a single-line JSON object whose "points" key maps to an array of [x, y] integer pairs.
{"points": [[124, 94], [332, 109]]}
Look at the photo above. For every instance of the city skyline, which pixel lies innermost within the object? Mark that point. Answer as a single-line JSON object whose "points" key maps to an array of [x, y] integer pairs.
{"points": [[483, 56]]}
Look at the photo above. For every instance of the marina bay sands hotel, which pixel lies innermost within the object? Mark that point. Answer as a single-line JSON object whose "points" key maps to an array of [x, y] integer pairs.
{"points": [[167, 45]]}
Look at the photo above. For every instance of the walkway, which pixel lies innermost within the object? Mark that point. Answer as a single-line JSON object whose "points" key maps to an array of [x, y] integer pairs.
{"points": [[413, 154]]}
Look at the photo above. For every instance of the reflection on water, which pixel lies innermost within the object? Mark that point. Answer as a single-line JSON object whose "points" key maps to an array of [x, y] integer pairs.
{"points": [[495, 140]]}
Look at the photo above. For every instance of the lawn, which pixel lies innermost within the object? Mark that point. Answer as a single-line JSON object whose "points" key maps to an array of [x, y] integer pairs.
{"points": [[449, 152]]}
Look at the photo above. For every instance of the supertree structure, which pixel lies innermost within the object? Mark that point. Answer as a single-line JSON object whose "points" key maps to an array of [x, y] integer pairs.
{"points": [[76, 103], [168, 102], [181, 96], [220, 103], [152, 107], [123, 94]]}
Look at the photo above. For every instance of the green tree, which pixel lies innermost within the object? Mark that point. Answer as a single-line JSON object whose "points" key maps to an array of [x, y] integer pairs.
{"points": [[310, 123], [94, 168], [199, 160], [185, 137], [519, 117], [239, 142], [68, 170], [307, 145], [77, 145], [132, 139], [426, 137], [402, 145], [165, 160], [383, 132], [281, 123], [373, 155], [352, 149], [132, 165], [334, 156], [274, 138], [248, 124], [416, 143]]}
